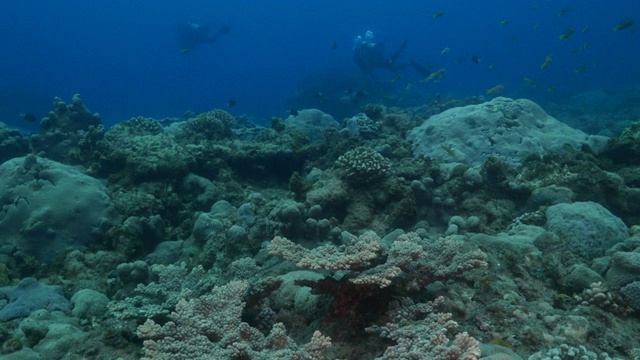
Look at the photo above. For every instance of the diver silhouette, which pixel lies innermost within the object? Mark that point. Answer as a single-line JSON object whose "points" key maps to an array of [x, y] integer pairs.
{"points": [[193, 35], [369, 55]]}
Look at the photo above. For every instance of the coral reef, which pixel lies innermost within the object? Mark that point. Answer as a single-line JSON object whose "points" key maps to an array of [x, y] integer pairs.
{"points": [[457, 229]]}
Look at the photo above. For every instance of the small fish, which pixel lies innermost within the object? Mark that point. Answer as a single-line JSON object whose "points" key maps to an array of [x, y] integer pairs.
{"points": [[552, 88], [438, 14], [536, 26], [445, 51], [294, 112], [567, 34], [504, 22], [586, 44], [529, 81], [490, 67], [185, 51], [449, 150], [476, 59], [396, 79], [334, 46], [548, 60], [533, 8], [496, 90], [28, 117], [408, 87], [586, 29], [581, 69], [318, 95], [435, 76], [564, 11], [624, 25], [231, 103]]}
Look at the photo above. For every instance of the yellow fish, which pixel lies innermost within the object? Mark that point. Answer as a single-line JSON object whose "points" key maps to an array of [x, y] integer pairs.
{"points": [[435, 76], [496, 90], [567, 34], [581, 69], [624, 25], [529, 81], [547, 61], [437, 14], [445, 51]]}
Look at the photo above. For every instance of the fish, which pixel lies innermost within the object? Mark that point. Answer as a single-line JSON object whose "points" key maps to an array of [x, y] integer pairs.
{"points": [[435, 76], [581, 69], [564, 11], [624, 25], [552, 88], [586, 29], [28, 117], [476, 59], [548, 60], [533, 8], [504, 22], [496, 90], [438, 14], [536, 26], [334, 46], [294, 112], [567, 34], [445, 51], [586, 44], [529, 81], [396, 79], [231, 103], [490, 67], [185, 51]]}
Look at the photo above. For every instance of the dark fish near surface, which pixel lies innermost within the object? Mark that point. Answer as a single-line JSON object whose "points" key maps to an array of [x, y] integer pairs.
{"points": [[475, 59], [564, 11], [624, 25], [294, 112], [29, 117], [567, 34], [231, 103]]}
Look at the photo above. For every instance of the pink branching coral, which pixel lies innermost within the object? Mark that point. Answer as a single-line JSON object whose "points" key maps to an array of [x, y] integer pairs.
{"points": [[420, 332], [210, 327], [418, 261]]}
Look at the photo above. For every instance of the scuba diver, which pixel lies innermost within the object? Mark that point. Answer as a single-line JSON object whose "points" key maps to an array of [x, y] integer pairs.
{"points": [[193, 35], [369, 55]]}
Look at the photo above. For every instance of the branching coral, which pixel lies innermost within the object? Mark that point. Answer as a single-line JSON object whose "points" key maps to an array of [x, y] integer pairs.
{"points": [[210, 327], [420, 332], [363, 165]]}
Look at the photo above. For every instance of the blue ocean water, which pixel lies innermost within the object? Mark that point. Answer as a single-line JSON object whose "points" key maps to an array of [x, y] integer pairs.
{"points": [[125, 59]]}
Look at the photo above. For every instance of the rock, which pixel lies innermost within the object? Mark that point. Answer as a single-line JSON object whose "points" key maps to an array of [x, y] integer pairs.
{"points": [[50, 208], [312, 122], [507, 129], [588, 228], [30, 295]]}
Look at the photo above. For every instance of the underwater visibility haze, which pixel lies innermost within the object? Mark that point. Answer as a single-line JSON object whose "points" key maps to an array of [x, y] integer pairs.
{"points": [[427, 180]]}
